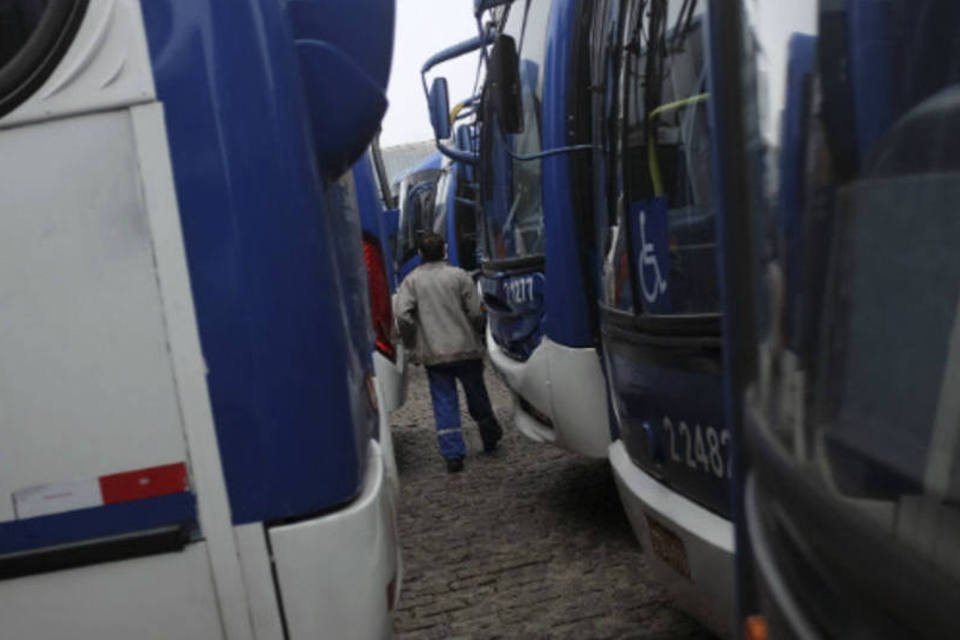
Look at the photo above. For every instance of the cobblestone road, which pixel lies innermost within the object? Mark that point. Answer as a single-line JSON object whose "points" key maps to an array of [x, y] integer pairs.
{"points": [[529, 542]]}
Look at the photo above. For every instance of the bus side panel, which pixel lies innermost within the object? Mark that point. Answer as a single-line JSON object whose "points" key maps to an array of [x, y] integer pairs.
{"points": [[152, 598], [261, 262], [86, 367]]}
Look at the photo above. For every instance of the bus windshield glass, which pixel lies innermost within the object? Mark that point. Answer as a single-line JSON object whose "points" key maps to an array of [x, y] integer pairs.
{"points": [[515, 228], [417, 200]]}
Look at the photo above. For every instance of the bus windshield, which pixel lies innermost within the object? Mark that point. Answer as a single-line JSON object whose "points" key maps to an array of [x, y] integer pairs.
{"points": [[417, 199], [514, 226]]}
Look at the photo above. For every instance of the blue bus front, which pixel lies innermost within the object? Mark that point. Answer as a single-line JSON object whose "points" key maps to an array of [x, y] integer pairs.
{"points": [[536, 229], [659, 302]]}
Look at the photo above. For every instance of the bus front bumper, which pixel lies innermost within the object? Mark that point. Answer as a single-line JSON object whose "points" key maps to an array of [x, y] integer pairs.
{"points": [[559, 396], [339, 574], [689, 549]]}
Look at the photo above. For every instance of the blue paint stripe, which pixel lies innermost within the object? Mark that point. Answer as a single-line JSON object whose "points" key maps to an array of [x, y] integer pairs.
{"points": [[178, 509], [568, 311]]}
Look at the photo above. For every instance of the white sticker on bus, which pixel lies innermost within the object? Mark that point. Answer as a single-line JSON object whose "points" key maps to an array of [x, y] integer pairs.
{"points": [[56, 498]]}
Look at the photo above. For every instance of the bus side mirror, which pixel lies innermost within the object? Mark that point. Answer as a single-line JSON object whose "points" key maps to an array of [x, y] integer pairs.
{"points": [[439, 102], [504, 84]]}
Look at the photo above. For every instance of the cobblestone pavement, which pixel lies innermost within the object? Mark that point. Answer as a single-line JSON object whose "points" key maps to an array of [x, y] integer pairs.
{"points": [[529, 542]]}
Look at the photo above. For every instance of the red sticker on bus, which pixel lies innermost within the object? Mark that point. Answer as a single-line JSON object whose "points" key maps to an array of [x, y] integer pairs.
{"points": [[144, 483]]}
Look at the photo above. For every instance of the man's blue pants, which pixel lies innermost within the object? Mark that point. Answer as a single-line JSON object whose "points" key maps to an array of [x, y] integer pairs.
{"points": [[446, 409]]}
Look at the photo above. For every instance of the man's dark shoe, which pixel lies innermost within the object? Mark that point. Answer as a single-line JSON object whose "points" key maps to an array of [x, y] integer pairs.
{"points": [[490, 432], [489, 446], [454, 465]]}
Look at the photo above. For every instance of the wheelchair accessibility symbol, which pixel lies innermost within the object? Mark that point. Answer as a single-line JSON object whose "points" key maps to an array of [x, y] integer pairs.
{"points": [[651, 280]]}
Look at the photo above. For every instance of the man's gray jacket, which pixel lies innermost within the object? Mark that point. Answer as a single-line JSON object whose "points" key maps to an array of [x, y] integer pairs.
{"points": [[439, 315]]}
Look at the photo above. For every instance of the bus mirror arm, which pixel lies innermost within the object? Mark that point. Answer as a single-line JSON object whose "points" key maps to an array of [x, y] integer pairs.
{"points": [[455, 51], [438, 100], [540, 155]]}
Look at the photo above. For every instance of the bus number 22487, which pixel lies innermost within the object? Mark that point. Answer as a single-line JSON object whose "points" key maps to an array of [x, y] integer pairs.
{"points": [[700, 448]]}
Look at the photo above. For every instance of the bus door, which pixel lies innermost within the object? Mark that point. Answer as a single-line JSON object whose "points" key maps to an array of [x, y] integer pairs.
{"points": [[660, 305], [660, 310]]}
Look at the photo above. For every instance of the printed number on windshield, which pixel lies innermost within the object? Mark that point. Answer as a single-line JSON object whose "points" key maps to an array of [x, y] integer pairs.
{"points": [[702, 448]]}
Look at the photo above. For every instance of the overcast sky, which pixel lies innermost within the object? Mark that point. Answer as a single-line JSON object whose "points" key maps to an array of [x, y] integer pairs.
{"points": [[774, 24], [423, 28]]}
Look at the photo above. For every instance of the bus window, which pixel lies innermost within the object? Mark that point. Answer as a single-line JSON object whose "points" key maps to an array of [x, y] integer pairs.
{"points": [[665, 160], [34, 35]]}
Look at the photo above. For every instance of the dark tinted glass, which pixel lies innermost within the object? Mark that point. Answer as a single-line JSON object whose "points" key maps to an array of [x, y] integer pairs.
{"points": [[18, 21]]}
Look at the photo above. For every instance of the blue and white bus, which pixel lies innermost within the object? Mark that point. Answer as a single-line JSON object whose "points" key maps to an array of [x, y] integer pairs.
{"points": [[660, 312], [599, 245], [189, 434], [840, 214], [538, 266]]}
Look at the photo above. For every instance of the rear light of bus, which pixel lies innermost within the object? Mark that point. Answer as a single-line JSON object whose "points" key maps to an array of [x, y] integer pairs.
{"points": [[380, 307]]}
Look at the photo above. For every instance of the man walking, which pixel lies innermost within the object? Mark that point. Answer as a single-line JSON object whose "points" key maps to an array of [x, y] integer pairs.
{"points": [[441, 324]]}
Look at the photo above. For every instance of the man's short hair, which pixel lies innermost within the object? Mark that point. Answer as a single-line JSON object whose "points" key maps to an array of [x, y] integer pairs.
{"points": [[431, 247]]}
